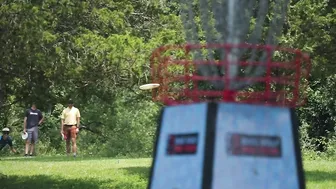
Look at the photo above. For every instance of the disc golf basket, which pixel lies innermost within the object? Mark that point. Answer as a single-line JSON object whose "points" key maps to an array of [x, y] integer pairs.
{"points": [[225, 130], [280, 79], [230, 93]]}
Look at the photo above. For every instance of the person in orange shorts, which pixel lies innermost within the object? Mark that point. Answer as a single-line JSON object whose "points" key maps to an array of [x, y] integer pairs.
{"points": [[70, 121]]}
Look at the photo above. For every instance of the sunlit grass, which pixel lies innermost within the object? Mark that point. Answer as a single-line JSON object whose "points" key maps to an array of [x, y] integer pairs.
{"points": [[81, 173], [320, 174], [96, 173]]}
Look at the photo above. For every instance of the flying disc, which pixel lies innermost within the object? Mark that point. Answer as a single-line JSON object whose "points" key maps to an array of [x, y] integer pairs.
{"points": [[149, 86], [24, 135]]}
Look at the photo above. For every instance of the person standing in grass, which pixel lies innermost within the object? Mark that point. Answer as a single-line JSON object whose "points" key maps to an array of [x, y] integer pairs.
{"points": [[33, 118], [70, 120], [5, 139]]}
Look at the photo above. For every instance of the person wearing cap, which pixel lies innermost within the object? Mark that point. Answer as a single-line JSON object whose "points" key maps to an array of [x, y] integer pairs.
{"points": [[5, 139], [33, 118], [70, 120]]}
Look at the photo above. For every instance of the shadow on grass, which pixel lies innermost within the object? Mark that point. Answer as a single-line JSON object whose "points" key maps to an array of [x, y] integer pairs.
{"points": [[45, 182], [143, 172], [320, 176], [52, 158]]}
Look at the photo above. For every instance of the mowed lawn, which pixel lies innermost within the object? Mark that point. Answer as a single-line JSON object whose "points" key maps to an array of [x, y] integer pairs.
{"points": [[79, 173], [320, 174], [94, 173]]}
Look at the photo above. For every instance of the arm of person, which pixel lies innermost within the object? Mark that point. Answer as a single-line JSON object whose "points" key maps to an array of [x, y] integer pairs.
{"points": [[62, 125], [25, 121], [24, 124], [41, 118], [78, 122], [62, 121], [10, 143], [13, 150], [78, 119]]}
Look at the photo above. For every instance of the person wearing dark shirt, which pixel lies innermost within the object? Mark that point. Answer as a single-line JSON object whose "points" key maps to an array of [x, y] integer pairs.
{"points": [[33, 118], [5, 139]]}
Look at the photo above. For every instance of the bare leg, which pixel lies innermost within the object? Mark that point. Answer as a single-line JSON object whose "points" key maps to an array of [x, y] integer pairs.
{"points": [[74, 146], [27, 147], [32, 145], [68, 147]]}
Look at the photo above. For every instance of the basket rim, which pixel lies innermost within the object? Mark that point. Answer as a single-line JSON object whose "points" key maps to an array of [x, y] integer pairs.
{"points": [[161, 63]]}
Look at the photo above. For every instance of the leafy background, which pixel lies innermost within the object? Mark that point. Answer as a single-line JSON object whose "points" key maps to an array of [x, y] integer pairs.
{"points": [[97, 52]]}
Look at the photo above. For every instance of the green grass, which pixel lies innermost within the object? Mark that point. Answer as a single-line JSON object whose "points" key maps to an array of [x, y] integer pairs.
{"points": [[320, 174], [79, 173], [94, 173]]}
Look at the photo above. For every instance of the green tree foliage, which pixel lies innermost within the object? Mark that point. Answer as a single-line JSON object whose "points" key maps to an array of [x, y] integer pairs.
{"points": [[312, 28], [98, 51]]}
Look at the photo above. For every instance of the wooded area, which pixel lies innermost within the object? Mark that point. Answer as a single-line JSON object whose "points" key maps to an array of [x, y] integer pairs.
{"points": [[97, 52]]}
